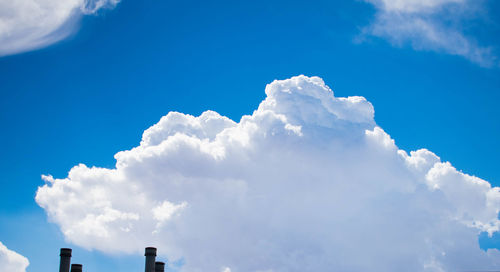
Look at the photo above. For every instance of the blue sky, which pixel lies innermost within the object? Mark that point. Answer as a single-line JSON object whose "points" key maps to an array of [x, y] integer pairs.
{"points": [[92, 94]]}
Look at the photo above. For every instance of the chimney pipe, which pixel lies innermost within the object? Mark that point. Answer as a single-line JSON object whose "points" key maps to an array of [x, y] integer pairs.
{"points": [[150, 259], [65, 260], [76, 268], [159, 267]]}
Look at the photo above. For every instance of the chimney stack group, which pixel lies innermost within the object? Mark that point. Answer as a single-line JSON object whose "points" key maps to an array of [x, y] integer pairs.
{"points": [[151, 264], [65, 263]]}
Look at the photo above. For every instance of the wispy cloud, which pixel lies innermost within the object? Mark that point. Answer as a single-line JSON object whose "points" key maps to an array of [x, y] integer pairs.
{"points": [[11, 261], [435, 25], [30, 24], [308, 182]]}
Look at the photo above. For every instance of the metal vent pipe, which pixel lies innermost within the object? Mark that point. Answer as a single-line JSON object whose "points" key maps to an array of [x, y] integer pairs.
{"points": [[76, 268], [150, 259], [159, 267], [65, 260]]}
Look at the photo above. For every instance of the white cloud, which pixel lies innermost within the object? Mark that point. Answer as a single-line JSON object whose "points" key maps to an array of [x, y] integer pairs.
{"points": [[30, 24], [435, 25], [308, 182], [413, 6], [11, 261]]}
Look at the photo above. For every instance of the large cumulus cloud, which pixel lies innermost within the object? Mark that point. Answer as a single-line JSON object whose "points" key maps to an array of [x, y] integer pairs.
{"points": [[308, 182], [11, 261]]}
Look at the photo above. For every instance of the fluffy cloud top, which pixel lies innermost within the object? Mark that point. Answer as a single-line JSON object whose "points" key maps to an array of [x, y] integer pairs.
{"points": [[11, 261], [308, 182], [429, 25], [31, 24]]}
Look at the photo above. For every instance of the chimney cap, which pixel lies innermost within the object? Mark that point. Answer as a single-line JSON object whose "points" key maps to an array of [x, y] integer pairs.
{"points": [[150, 251], [159, 266], [76, 268], [65, 252]]}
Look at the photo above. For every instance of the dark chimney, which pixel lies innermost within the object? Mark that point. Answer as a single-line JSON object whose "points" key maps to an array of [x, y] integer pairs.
{"points": [[150, 259], [76, 268], [159, 267], [65, 260]]}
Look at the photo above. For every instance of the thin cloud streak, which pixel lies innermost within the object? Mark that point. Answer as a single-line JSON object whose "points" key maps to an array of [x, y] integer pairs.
{"points": [[27, 25], [429, 25]]}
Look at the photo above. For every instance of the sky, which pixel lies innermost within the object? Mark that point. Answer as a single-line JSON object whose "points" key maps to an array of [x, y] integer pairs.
{"points": [[288, 172]]}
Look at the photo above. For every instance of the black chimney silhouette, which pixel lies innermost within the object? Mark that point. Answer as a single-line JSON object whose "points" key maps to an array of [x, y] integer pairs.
{"points": [[65, 260], [151, 264], [150, 259], [159, 267], [76, 268]]}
